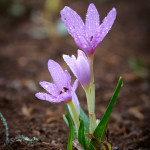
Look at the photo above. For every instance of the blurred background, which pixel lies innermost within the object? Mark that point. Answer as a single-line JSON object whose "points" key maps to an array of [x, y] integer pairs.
{"points": [[31, 33]]}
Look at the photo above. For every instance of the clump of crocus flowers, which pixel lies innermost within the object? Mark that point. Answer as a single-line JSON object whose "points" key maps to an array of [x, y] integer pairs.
{"points": [[85, 132]]}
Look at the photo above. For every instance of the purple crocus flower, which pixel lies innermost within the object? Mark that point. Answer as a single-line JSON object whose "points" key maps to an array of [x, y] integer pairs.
{"points": [[61, 91], [89, 35], [80, 67]]}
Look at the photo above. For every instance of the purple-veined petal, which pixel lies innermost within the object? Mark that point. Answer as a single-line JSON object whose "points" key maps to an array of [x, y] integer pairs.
{"points": [[106, 25], [92, 22], [75, 85], [50, 87], [57, 74], [72, 21]]}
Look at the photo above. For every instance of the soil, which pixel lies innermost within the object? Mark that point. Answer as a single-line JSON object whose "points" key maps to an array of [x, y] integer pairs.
{"points": [[23, 63]]}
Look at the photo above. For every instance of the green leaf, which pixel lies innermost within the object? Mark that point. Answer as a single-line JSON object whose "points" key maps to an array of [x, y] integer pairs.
{"points": [[66, 121], [67, 109], [70, 139], [81, 134], [100, 129], [85, 119]]}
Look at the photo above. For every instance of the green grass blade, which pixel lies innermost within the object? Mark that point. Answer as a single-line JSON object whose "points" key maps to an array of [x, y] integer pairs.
{"points": [[100, 129], [85, 119], [70, 139], [81, 134], [66, 121], [6, 128]]}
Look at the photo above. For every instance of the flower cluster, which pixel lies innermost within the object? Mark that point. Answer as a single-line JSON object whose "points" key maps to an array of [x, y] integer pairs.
{"points": [[87, 36]]}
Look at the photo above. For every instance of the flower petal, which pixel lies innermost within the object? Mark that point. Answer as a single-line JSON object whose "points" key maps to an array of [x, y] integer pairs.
{"points": [[75, 27], [106, 25], [75, 102], [69, 79], [72, 21], [83, 72], [57, 74], [64, 97], [92, 22], [75, 85], [82, 54], [71, 62], [50, 87], [47, 97]]}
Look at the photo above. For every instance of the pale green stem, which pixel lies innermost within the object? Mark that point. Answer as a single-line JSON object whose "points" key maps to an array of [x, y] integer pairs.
{"points": [[90, 94], [92, 118], [75, 116], [92, 85]]}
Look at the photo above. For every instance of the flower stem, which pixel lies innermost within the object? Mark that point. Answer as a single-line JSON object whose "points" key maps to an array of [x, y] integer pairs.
{"points": [[75, 115], [90, 109], [90, 94], [92, 85]]}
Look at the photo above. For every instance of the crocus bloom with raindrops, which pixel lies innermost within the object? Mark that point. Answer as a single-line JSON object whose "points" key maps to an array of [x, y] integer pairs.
{"points": [[89, 35], [61, 91], [80, 67]]}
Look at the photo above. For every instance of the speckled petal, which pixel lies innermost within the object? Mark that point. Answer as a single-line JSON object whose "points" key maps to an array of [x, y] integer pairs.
{"points": [[72, 21], [106, 25], [92, 22], [50, 87], [57, 74], [84, 44], [75, 27], [47, 97]]}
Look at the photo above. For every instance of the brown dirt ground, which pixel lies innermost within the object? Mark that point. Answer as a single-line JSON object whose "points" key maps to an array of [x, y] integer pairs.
{"points": [[23, 63]]}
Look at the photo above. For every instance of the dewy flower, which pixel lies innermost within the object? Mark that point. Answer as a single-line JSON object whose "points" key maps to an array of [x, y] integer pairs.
{"points": [[61, 91], [80, 67], [89, 35]]}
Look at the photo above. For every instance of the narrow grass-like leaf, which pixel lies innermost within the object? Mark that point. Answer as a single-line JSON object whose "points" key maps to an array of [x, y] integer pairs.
{"points": [[6, 128], [70, 139], [100, 129], [81, 134], [67, 109], [85, 119], [66, 121]]}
